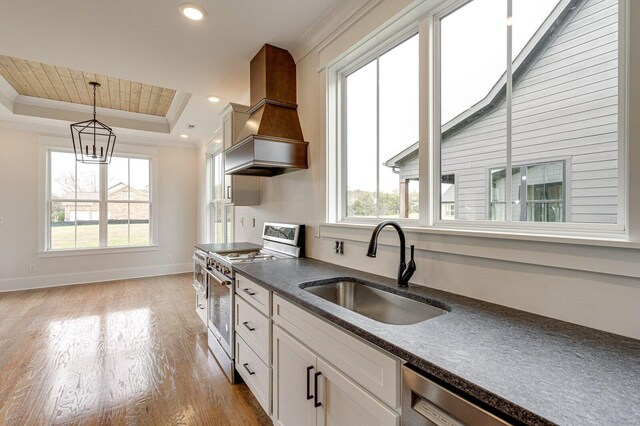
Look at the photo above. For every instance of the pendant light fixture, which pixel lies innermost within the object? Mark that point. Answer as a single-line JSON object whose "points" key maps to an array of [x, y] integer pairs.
{"points": [[93, 141]]}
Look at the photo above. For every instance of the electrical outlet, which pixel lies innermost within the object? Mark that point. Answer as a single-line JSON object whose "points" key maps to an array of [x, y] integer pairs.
{"points": [[339, 247], [32, 267], [242, 221], [253, 222]]}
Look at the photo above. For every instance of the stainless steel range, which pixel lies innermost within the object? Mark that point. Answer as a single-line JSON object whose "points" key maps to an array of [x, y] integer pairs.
{"points": [[281, 241]]}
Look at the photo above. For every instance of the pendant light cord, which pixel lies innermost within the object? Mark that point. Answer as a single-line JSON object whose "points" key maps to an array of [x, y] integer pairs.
{"points": [[94, 101]]}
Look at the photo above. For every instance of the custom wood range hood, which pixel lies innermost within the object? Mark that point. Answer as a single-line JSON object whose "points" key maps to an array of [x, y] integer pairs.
{"points": [[271, 142]]}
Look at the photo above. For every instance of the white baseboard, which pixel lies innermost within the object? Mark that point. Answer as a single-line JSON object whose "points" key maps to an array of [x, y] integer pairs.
{"points": [[44, 281]]}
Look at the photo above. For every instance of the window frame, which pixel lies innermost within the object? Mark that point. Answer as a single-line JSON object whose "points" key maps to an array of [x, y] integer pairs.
{"points": [[425, 18], [587, 230], [354, 65], [52, 144]]}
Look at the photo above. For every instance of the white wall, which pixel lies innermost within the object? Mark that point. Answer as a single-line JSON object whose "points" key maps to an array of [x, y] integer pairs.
{"points": [[18, 234], [602, 301]]}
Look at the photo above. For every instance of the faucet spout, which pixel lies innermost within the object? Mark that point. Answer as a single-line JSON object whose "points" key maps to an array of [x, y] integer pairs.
{"points": [[404, 272]]}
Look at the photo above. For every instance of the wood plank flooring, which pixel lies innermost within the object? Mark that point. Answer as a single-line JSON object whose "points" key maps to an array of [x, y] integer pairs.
{"points": [[122, 352]]}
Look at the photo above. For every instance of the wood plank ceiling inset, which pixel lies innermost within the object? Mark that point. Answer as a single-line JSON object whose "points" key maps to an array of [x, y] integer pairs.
{"points": [[45, 81]]}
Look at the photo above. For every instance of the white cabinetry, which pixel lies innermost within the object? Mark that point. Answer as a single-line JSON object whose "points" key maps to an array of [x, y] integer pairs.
{"points": [[293, 368], [317, 373], [253, 339], [238, 190], [309, 391]]}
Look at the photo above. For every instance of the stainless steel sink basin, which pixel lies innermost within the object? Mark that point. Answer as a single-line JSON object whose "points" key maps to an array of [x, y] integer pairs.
{"points": [[374, 303]]}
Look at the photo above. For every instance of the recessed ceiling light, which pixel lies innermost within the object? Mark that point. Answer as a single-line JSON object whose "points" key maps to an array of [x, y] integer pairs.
{"points": [[213, 99], [193, 11], [184, 136]]}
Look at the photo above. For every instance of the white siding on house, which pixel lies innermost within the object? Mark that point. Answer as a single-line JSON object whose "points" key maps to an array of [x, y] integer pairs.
{"points": [[564, 108]]}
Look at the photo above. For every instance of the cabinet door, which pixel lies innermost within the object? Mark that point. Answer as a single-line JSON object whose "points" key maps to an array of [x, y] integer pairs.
{"points": [[293, 371], [345, 403]]}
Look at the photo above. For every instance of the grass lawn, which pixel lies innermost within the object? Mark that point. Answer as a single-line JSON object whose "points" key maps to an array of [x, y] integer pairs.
{"points": [[62, 237]]}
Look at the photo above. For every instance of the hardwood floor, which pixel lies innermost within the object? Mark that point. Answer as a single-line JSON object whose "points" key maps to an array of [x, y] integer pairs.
{"points": [[122, 352]]}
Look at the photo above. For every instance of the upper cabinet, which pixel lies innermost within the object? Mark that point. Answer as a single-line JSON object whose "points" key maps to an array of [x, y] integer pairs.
{"points": [[238, 190]]}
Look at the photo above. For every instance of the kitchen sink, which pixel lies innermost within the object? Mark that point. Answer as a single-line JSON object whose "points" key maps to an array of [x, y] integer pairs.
{"points": [[379, 305]]}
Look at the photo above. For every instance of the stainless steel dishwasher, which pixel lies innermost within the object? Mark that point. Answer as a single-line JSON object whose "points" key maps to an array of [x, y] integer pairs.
{"points": [[424, 402]]}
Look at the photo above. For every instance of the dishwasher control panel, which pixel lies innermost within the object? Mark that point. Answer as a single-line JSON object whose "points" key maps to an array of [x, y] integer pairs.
{"points": [[427, 403], [433, 413]]}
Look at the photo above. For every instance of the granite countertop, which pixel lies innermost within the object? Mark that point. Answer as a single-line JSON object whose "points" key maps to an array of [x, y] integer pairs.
{"points": [[227, 247], [534, 369]]}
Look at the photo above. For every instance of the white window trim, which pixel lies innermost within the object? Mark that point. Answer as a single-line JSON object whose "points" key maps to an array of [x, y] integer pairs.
{"points": [[353, 64], [423, 17], [597, 231], [48, 144]]}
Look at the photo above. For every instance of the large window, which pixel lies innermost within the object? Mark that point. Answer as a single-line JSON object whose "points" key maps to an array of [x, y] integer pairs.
{"points": [[520, 106], [92, 206], [381, 113], [554, 93]]}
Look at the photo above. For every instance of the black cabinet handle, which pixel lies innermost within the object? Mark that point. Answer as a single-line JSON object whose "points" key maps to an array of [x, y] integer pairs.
{"points": [[249, 292], [315, 390], [246, 324], [251, 373], [309, 396]]}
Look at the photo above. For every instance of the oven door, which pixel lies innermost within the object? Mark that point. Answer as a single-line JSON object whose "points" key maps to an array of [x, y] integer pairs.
{"points": [[200, 276], [220, 318]]}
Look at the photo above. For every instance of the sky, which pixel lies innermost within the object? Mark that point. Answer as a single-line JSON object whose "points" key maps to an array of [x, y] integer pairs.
{"points": [[64, 164], [474, 43]]}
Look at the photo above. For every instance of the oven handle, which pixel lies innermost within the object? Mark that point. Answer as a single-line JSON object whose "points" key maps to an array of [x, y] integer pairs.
{"points": [[216, 280]]}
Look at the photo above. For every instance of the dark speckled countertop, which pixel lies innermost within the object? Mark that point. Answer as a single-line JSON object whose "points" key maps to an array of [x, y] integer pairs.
{"points": [[534, 369]]}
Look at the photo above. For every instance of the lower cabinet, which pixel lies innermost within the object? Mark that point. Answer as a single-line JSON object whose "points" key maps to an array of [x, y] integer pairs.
{"points": [[305, 371], [256, 374], [293, 370], [309, 391]]}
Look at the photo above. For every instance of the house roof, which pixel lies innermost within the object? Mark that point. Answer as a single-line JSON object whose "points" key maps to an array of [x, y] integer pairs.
{"points": [[525, 60]]}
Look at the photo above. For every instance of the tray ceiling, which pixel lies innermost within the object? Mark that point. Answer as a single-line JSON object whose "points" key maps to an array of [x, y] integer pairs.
{"points": [[45, 81]]}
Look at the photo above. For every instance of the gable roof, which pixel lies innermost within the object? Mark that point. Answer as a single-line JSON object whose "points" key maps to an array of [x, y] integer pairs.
{"points": [[531, 52]]}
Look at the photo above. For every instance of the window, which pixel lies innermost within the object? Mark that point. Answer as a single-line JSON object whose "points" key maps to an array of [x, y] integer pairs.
{"points": [[91, 205], [448, 196], [554, 94], [537, 192], [220, 211], [128, 207], [381, 115], [521, 107]]}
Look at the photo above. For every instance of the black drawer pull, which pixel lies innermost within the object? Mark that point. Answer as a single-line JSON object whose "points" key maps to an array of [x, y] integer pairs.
{"points": [[246, 324], [249, 292], [309, 396], [315, 390], [251, 373]]}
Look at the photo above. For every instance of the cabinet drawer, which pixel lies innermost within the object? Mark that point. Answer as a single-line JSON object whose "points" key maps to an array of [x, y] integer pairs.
{"points": [[256, 374], [371, 368], [254, 328], [255, 294]]}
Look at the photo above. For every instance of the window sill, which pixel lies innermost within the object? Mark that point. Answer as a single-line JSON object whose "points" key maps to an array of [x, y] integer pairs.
{"points": [[96, 251], [600, 255]]}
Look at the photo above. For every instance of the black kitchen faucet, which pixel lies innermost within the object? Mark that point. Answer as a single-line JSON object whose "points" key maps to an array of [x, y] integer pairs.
{"points": [[404, 271]]}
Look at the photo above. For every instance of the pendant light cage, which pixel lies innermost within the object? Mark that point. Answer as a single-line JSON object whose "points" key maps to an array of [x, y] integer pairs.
{"points": [[93, 141]]}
